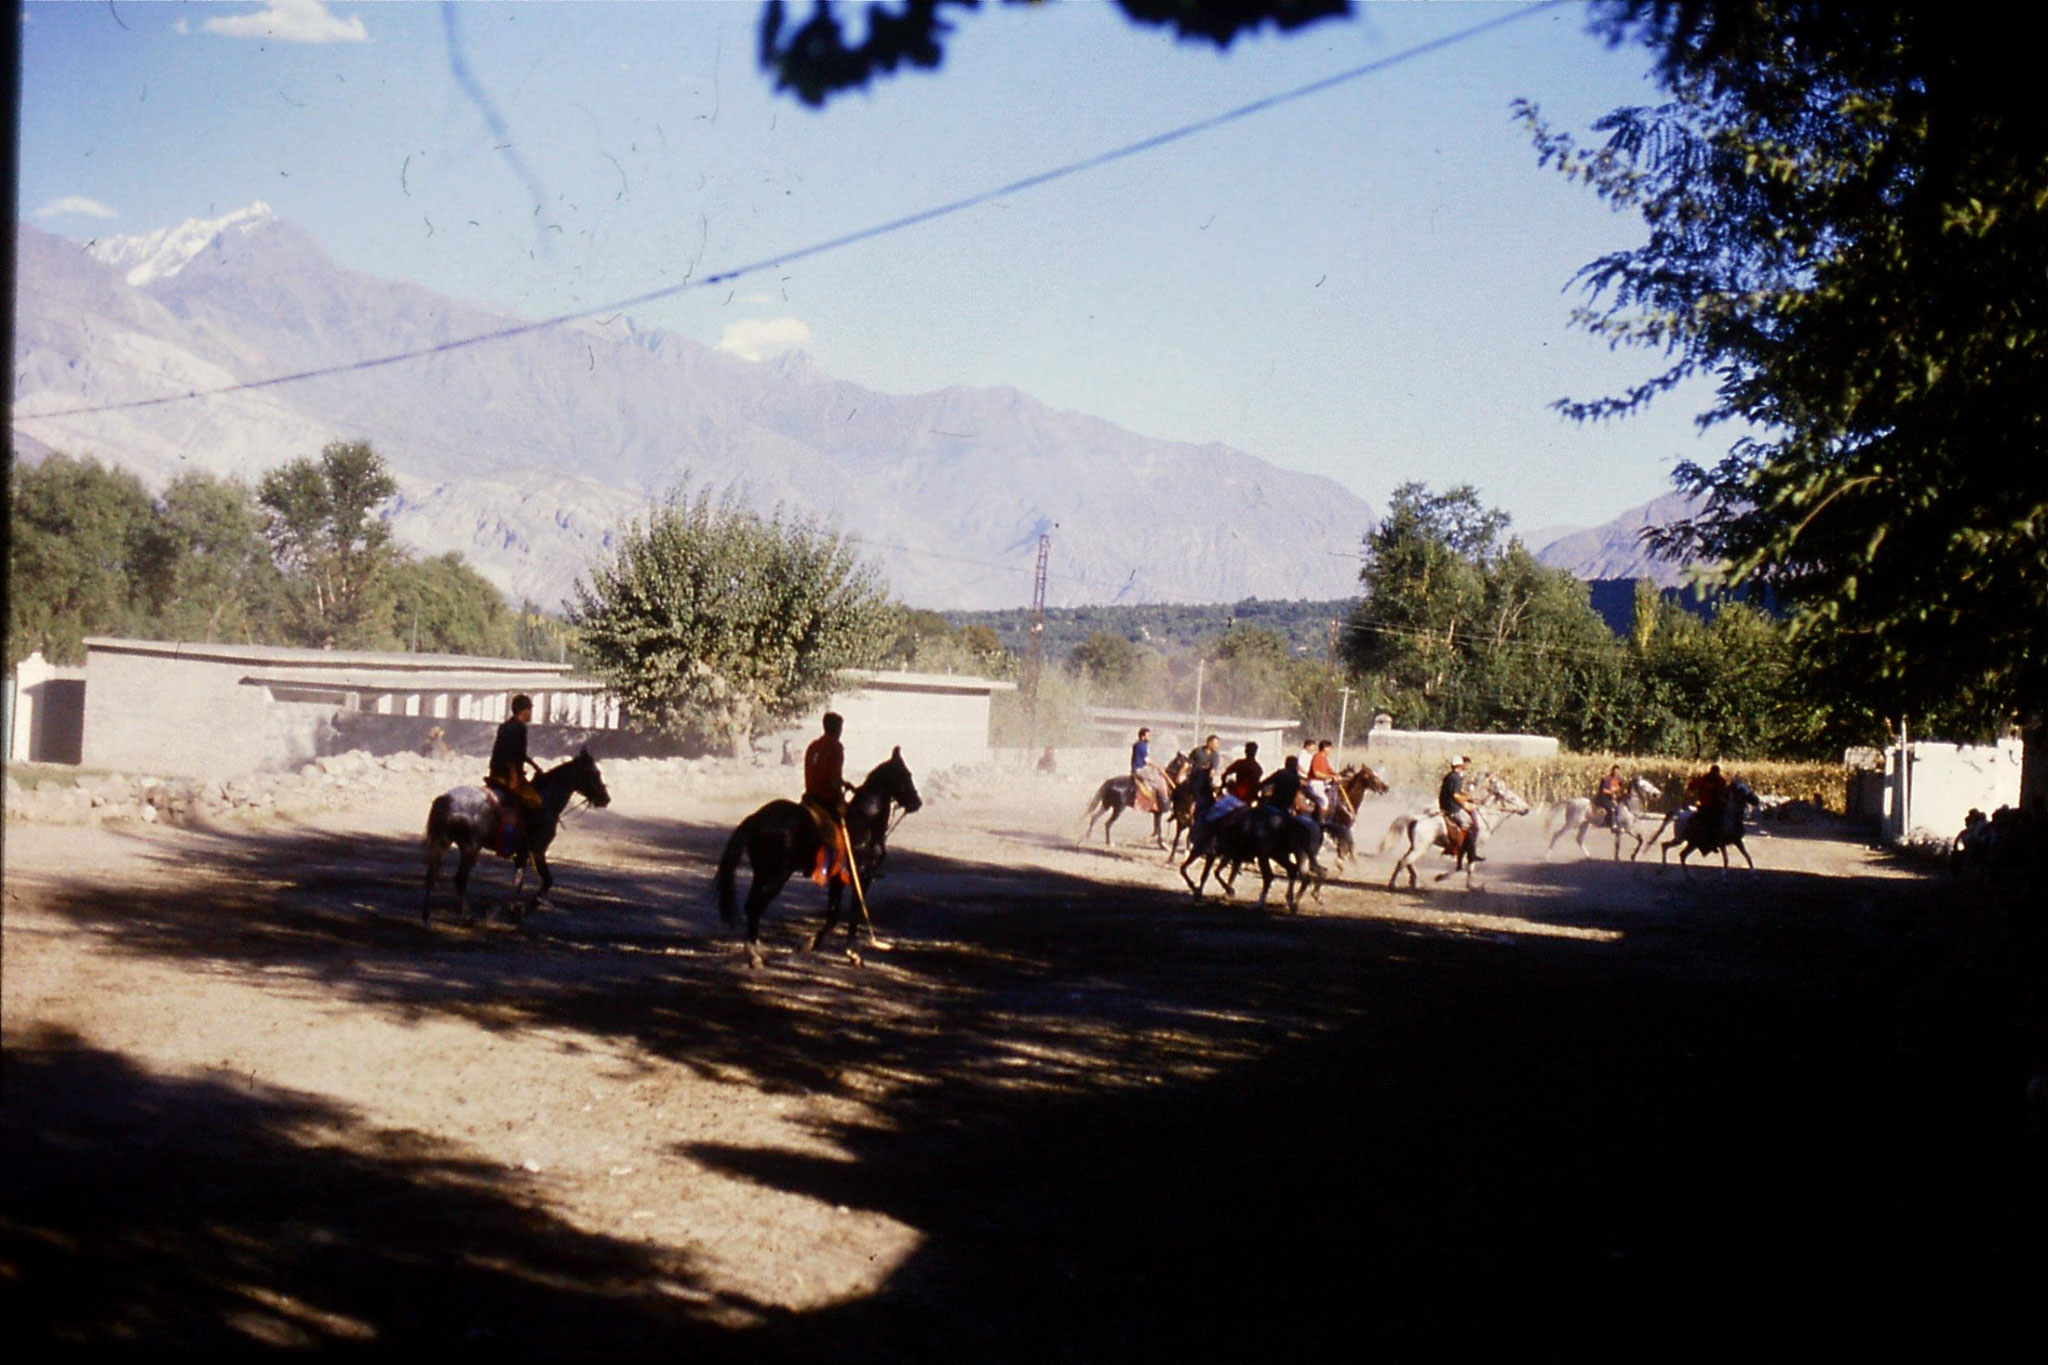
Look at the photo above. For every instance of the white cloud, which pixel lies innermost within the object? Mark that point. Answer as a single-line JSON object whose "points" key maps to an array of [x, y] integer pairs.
{"points": [[759, 338], [75, 203], [290, 21]]}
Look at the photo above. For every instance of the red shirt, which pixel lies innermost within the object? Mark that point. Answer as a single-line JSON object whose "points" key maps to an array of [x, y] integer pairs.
{"points": [[825, 769], [1319, 769]]}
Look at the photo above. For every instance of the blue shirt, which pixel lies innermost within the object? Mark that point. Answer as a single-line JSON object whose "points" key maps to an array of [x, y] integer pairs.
{"points": [[1141, 755]]}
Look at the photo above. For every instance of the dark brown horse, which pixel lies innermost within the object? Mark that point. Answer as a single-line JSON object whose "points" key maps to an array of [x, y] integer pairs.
{"points": [[1120, 794], [782, 838]]}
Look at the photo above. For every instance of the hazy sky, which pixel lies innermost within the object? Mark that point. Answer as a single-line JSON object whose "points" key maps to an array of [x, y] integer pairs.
{"points": [[1368, 283]]}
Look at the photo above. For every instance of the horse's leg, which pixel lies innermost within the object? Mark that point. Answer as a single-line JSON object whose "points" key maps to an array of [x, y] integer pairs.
{"points": [[462, 870], [1110, 824], [765, 889], [544, 882], [1158, 836], [1743, 849], [435, 848]]}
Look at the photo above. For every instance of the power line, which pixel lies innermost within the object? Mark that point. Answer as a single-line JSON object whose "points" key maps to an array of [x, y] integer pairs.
{"points": [[883, 229]]}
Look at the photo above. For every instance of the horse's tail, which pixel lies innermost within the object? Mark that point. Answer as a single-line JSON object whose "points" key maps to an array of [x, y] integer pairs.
{"points": [[437, 824], [1403, 827], [728, 868]]}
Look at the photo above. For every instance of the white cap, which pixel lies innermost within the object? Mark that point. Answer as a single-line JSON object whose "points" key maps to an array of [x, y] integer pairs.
{"points": [[1461, 761]]}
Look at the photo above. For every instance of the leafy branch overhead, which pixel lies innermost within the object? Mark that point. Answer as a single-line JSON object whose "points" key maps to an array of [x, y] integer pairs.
{"points": [[1847, 209], [814, 59]]}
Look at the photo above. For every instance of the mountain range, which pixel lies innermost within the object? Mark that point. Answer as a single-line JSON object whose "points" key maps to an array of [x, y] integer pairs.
{"points": [[532, 453]]}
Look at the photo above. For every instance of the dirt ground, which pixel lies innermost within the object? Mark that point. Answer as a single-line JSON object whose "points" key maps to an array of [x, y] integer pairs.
{"points": [[1072, 1115]]}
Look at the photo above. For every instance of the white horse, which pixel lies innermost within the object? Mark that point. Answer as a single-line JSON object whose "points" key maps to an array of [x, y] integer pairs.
{"points": [[1426, 829], [1628, 813]]}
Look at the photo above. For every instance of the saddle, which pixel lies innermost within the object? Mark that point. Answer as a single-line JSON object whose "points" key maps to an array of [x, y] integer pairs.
{"points": [[830, 864], [512, 803], [1454, 838]]}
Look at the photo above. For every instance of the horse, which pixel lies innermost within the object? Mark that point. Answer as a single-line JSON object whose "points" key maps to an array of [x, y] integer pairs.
{"points": [[1628, 812], [1119, 794], [1196, 787], [471, 817], [1698, 838], [1353, 785], [1425, 829], [1264, 835], [782, 838]]}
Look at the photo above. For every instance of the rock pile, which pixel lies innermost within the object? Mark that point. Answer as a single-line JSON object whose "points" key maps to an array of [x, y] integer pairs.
{"points": [[349, 780]]}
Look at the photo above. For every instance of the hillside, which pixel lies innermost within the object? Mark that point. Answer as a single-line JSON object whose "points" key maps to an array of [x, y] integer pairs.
{"points": [[527, 455]]}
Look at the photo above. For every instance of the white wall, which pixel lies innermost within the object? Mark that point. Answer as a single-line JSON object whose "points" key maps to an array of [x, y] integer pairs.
{"points": [[1942, 783], [1447, 743]]}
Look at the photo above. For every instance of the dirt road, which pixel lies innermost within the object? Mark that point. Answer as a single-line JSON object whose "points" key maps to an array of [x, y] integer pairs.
{"points": [[248, 1099]]}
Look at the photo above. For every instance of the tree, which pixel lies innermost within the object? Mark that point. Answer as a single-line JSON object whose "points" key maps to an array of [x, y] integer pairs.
{"points": [[1847, 211], [711, 622], [1424, 581], [814, 60], [79, 555], [214, 578], [443, 606], [1460, 628], [335, 553]]}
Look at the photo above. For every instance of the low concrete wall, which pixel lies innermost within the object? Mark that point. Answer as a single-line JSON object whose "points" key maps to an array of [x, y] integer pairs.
{"points": [[1446, 744]]}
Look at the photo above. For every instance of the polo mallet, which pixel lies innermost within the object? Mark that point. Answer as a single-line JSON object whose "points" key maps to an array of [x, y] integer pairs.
{"points": [[859, 896]]}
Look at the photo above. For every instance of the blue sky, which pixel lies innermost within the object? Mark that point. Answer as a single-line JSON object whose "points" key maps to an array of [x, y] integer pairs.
{"points": [[1368, 283]]}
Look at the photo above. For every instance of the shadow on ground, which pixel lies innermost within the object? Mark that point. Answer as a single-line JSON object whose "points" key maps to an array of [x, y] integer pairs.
{"points": [[1124, 1126]]}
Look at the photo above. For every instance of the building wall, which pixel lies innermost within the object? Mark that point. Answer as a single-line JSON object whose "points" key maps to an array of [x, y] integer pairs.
{"points": [[1445, 744], [935, 729], [179, 717], [48, 720], [1930, 788]]}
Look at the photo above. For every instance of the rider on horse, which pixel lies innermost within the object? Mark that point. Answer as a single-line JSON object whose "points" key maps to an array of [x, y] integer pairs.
{"points": [[1283, 789], [1454, 799], [825, 791], [1322, 780], [1709, 792], [509, 762], [1609, 794]]}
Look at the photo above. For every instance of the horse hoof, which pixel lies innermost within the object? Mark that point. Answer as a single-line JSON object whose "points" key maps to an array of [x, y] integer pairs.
{"points": [[754, 958], [855, 958]]}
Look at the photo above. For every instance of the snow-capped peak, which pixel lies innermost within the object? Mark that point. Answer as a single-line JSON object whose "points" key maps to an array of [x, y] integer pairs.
{"points": [[161, 254]]}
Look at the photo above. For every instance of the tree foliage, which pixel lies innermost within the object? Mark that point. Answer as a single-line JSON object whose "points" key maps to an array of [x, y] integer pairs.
{"points": [[712, 623], [443, 606], [814, 60], [79, 554], [336, 553], [92, 553], [1848, 211]]}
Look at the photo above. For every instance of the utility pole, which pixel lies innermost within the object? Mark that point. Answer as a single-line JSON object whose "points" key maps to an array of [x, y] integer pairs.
{"points": [[1201, 675], [1343, 713], [1034, 649]]}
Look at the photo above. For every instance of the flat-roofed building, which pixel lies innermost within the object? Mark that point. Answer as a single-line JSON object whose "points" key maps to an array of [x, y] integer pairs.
{"points": [[205, 710]]}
